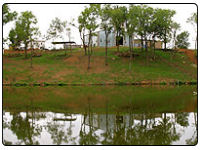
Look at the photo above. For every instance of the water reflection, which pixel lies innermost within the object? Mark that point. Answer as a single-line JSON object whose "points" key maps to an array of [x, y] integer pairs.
{"points": [[106, 123], [107, 129]]}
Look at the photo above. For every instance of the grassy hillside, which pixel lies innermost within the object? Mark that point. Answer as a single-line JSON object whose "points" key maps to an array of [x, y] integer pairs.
{"points": [[54, 67]]}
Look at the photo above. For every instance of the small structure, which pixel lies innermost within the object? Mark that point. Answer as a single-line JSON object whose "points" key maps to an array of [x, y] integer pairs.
{"points": [[66, 45]]}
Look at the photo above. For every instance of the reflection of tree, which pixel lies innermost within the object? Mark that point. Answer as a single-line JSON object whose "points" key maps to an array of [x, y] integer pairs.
{"points": [[24, 130], [193, 139], [182, 118], [142, 134], [91, 137], [58, 132], [107, 134], [163, 133]]}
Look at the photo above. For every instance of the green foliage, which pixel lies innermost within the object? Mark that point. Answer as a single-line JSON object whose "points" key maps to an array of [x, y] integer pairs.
{"points": [[8, 15], [117, 20], [25, 30], [163, 20], [192, 19], [145, 17], [105, 18], [182, 40], [132, 19], [56, 28]]}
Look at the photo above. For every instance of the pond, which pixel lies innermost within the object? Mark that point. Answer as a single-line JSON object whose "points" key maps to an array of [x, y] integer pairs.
{"points": [[100, 115]]}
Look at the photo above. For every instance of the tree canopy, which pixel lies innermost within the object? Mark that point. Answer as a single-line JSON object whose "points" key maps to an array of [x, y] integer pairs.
{"points": [[182, 40], [8, 15]]}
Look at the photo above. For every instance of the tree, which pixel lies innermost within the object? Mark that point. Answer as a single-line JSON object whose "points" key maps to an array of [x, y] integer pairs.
{"points": [[145, 19], [56, 29], [106, 26], [8, 15], [14, 37], [118, 20], [175, 28], [24, 30], [90, 14], [193, 21], [164, 20], [131, 23], [182, 40], [82, 29], [34, 38], [154, 29]]}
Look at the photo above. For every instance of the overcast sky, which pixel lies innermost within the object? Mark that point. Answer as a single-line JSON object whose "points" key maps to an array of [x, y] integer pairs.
{"points": [[46, 12]]}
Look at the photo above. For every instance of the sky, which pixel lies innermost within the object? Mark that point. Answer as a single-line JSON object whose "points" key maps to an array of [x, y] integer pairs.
{"points": [[46, 12]]}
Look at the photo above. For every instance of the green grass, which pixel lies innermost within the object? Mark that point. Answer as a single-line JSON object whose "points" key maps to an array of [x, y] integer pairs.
{"points": [[53, 67]]}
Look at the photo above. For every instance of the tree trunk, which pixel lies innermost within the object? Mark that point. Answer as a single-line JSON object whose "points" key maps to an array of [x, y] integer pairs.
{"points": [[146, 45], [141, 43], [106, 48], [89, 51], [117, 42], [165, 41], [85, 48], [88, 57], [154, 56], [25, 51], [31, 55], [91, 45], [131, 53], [83, 41]]}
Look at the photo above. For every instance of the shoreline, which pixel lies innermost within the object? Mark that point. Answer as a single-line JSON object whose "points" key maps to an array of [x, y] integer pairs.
{"points": [[102, 84]]}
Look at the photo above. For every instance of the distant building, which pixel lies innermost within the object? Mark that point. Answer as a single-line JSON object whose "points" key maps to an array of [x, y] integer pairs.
{"points": [[99, 41], [40, 44], [67, 45]]}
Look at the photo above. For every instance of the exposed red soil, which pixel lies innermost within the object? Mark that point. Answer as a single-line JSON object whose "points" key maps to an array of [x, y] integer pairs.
{"points": [[97, 63], [190, 54], [15, 51]]}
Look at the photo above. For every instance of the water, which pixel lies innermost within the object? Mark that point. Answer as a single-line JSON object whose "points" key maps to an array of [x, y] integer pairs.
{"points": [[122, 115]]}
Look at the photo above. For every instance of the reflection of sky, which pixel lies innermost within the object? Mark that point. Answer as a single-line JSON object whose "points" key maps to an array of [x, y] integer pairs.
{"points": [[45, 137]]}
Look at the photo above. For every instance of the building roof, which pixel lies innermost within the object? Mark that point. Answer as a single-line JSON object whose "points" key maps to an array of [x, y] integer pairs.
{"points": [[64, 42]]}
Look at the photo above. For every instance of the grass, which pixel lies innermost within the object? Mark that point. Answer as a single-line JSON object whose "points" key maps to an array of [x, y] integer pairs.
{"points": [[55, 67]]}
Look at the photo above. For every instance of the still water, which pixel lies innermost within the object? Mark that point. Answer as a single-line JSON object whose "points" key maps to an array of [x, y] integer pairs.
{"points": [[123, 115]]}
